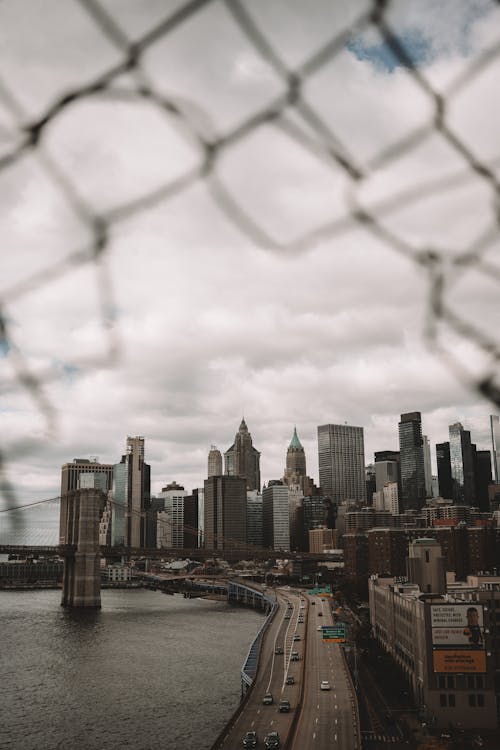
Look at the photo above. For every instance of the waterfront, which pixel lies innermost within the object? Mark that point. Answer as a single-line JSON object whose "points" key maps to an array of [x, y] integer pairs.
{"points": [[146, 671]]}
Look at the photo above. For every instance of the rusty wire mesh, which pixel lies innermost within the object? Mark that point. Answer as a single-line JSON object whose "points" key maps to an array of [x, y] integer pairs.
{"points": [[291, 114]]}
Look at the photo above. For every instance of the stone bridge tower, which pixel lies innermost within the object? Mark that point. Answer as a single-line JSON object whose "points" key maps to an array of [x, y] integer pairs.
{"points": [[80, 514]]}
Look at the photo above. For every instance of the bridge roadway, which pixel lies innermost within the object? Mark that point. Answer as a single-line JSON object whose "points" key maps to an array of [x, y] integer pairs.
{"points": [[327, 719], [230, 554]]}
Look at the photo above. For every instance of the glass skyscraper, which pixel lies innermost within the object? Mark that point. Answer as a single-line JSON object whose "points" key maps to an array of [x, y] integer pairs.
{"points": [[462, 461], [411, 451], [495, 442]]}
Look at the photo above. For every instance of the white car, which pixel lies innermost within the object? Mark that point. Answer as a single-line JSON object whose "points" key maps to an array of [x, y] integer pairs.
{"points": [[319, 628], [325, 685]]}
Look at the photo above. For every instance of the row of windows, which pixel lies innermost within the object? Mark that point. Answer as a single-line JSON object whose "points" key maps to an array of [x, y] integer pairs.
{"points": [[470, 682], [475, 700]]}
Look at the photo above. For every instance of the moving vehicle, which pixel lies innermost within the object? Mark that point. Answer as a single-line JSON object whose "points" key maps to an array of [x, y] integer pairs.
{"points": [[320, 614], [325, 685], [319, 628], [290, 680], [272, 741], [250, 739], [296, 637], [278, 650], [267, 700], [295, 656], [284, 707]]}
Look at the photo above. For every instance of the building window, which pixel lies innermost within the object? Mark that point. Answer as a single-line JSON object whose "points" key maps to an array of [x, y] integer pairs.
{"points": [[472, 700], [442, 699], [451, 682], [470, 682], [451, 700], [480, 700]]}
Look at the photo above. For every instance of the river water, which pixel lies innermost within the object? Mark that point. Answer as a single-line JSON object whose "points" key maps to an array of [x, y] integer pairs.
{"points": [[146, 671]]}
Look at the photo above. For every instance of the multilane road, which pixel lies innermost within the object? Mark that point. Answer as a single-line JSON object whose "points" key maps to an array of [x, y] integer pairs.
{"points": [[327, 718]]}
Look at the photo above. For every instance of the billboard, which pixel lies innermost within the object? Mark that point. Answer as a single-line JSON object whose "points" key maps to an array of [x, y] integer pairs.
{"points": [[458, 661], [457, 625], [458, 638]]}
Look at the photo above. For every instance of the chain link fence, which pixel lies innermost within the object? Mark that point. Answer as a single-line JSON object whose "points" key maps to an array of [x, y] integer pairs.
{"points": [[291, 113]]}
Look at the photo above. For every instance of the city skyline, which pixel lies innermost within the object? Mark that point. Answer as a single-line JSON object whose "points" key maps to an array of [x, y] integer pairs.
{"points": [[159, 479]]}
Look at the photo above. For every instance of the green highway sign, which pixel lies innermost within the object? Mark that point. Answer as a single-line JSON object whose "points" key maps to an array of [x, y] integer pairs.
{"points": [[334, 633], [320, 590]]}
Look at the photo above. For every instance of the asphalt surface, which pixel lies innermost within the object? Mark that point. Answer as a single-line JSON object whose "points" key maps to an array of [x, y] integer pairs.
{"points": [[271, 678], [327, 719]]}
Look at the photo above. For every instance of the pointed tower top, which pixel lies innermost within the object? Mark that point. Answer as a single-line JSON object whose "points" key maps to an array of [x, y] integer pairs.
{"points": [[243, 426], [295, 442]]}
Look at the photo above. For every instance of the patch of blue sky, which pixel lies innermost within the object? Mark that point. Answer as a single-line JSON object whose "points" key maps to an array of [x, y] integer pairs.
{"points": [[424, 46], [4, 347], [418, 48]]}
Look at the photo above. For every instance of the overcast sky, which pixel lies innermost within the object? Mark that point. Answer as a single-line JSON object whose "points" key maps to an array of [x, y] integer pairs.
{"points": [[212, 325]]}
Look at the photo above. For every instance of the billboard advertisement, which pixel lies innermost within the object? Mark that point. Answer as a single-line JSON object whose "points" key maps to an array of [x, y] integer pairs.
{"points": [[459, 662], [458, 638]]}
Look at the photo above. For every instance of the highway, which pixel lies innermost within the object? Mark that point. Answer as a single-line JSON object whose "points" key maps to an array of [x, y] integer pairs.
{"points": [[328, 718], [271, 678]]}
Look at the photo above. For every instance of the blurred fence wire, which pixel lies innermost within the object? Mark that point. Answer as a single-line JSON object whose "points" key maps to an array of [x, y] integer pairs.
{"points": [[291, 113]]}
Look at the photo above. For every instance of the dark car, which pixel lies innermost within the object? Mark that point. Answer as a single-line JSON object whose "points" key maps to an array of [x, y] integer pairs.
{"points": [[267, 699], [284, 707], [296, 637], [250, 739], [295, 656], [290, 680], [272, 741], [278, 650]]}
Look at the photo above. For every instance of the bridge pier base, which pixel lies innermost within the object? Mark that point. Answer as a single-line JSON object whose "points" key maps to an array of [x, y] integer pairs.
{"points": [[81, 510]]}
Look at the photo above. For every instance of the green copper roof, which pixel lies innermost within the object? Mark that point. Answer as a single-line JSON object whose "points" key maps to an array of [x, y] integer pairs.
{"points": [[295, 442]]}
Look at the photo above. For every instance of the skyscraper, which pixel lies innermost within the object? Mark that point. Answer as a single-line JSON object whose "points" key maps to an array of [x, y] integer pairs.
{"points": [[495, 444], [131, 495], [444, 470], [341, 453], [214, 462], [295, 457], [427, 466], [411, 461], [225, 512], [482, 471], [170, 520], [462, 465], [276, 517], [242, 459]]}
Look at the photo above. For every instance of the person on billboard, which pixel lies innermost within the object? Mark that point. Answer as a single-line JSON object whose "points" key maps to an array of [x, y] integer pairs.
{"points": [[472, 629]]}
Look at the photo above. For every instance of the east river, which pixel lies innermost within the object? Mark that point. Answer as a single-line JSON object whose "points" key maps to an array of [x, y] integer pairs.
{"points": [[146, 671]]}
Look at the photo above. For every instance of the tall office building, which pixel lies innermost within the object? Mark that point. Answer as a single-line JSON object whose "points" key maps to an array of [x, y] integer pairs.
{"points": [[276, 517], [131, 495], [295, 457], [427, 465], [482, 472], [341, 453], [254, 519], [170, 520], [225, 512], [411, 461], [86, 473], [462, 465], [242, 459], [386, 472], [495, 444], [444, 470], [214, 462]]}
